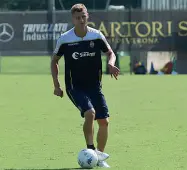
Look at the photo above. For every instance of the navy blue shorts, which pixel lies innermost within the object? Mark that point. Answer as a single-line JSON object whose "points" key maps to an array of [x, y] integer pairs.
{"points": [[88, 99]]}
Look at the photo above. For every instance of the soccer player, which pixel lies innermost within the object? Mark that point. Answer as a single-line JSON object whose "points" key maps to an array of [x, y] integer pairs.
{"points": [[81, 47]]}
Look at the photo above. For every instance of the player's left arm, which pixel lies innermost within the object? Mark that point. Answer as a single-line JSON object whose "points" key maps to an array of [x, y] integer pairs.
{"points": [[105, 47], [114, 71]]}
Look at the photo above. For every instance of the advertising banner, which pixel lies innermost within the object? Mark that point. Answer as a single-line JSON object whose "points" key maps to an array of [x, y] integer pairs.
{"points": [[33, 32]]}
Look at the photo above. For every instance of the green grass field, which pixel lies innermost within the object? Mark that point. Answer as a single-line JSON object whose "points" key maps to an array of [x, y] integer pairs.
{"points": [[41, 64], [148, 129]]}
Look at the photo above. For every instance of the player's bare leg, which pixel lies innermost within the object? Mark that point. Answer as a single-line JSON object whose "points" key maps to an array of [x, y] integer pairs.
{"points": [[102, 134], [102, 137], [88, 128]]}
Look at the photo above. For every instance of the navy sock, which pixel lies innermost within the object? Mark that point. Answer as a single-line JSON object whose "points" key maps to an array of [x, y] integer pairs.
{"points": [[91, 147]]}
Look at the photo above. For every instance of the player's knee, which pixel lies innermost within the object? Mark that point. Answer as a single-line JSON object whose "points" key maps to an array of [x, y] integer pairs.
{"points": [[103, 122], [89, 115]]}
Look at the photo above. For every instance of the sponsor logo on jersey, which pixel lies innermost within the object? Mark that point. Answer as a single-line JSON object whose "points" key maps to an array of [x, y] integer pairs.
{"points": [[72, 44], [77, 55]]}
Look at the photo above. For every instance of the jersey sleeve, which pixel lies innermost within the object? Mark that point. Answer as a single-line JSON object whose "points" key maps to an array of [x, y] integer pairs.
{"points": [[104, 45], [59, 51]]}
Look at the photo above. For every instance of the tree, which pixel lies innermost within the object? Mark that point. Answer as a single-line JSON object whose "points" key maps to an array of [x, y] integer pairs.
{"points": [[22, 5]]}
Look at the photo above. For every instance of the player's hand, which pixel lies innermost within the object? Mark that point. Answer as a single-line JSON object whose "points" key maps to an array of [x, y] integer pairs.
{"points": [[114, 71], [58, 92]]}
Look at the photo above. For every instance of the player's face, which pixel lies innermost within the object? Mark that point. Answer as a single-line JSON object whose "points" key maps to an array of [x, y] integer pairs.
{"points": [[80, 19]]}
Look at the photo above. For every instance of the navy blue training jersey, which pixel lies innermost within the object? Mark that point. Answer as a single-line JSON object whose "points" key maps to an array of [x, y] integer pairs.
{"points": [[83, 65]]}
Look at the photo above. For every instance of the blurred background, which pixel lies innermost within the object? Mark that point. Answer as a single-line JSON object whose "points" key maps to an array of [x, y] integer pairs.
{"points": [[147, 36]]}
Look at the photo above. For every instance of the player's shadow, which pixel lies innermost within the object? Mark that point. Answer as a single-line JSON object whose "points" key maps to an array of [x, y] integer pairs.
{"points": [[50, 169]]}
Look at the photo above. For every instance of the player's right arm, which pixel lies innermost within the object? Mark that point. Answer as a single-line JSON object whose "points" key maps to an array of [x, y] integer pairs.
{"points": [[55, 69]]}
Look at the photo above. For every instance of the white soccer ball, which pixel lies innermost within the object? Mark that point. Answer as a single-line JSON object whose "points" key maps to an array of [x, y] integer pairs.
{"points": [[87, 158]]}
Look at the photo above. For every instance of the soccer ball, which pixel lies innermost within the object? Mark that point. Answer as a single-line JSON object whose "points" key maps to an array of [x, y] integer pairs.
{"points": [[87, 158]]}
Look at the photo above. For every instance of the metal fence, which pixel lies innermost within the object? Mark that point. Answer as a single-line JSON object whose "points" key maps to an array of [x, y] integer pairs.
{"points": [[164, 4]]}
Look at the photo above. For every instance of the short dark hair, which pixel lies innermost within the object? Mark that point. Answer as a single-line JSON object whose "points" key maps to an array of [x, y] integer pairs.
{"points": [[78, 8]]}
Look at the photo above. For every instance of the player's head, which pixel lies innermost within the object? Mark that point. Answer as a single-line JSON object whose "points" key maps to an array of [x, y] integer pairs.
{"points": [[79, 15]]}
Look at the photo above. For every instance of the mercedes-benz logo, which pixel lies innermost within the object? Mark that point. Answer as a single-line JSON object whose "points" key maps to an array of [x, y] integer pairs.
{"points": [[6, 32]]}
